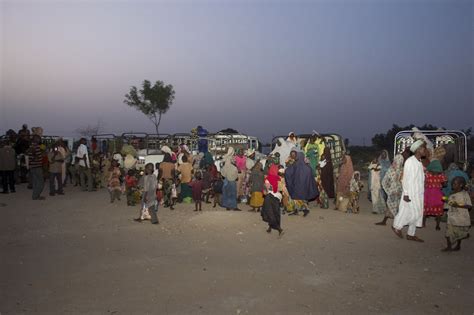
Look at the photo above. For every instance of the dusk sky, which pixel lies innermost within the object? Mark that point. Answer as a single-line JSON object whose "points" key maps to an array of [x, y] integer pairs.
{"points": [[262, 67]]}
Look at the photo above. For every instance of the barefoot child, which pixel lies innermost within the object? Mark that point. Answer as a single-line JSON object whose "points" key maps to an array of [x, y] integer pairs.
{"points": [[196, 187], [459, 222]]}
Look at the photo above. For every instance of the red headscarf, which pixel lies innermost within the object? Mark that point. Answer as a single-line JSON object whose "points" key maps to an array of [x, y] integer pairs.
{"points": [[273, 177]]}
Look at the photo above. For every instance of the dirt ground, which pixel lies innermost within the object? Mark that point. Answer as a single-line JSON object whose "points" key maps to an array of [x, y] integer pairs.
{"points": [[80, 254]]}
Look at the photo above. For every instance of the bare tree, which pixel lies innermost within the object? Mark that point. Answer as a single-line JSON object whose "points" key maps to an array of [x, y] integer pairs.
{"points": [[91, 130]]}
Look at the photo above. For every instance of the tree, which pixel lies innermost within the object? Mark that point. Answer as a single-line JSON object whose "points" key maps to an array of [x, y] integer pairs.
{"points": [[229, 131], [91, 130], [153, 101]]}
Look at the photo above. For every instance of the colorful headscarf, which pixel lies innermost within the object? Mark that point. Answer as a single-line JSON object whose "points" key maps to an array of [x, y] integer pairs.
{"points": [[435, 167]]}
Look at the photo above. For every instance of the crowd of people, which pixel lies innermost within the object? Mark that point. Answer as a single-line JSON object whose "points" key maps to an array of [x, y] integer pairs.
{"points": [[416, 186], [408, 190]]}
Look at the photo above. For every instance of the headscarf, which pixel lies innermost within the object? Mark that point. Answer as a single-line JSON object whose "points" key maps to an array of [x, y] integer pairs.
{"points": [[392, 180], [229, 154], [435, 167], [345, 175], [327, 173], [452, 172], [418, 143], [299, 180], [384, 164], [229, 171], [250, 152], [272, 177], [206, 160], [166, 149]]}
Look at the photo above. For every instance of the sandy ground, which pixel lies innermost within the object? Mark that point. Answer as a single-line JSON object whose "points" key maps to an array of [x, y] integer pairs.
{"points": [[80, 254]]}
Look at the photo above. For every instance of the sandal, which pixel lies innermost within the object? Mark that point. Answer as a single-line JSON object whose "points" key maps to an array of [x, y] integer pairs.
{"points": [[397, 232], [415, 238]]}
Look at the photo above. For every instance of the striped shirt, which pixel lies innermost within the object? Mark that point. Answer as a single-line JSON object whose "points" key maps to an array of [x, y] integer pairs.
{"points": [[35, 156]]}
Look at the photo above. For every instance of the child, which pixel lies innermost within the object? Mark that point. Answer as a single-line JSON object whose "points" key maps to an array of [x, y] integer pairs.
{"points": [[114, 182], [196, 186], [271, 209], [433, 203], [256, 181], [217, 188], [355, 188], [206, 183], [150, 204], [114, 187], [131, 183], [459, 222]]}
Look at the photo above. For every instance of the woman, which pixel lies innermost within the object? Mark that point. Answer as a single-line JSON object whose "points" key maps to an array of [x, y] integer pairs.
{"points": [[433, 203], [392, 186], [384, 162], [376, 191], [229, 190], [241, 164], [312, 153], [256, 187], [300, 184], [167, 173], [343, 182], [326, 178]]}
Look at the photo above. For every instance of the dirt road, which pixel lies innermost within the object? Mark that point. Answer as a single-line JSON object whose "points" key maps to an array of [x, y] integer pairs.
{"points": [[80, 254]]}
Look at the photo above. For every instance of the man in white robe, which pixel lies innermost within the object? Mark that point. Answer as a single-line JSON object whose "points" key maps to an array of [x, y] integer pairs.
{"points": [[411, 205]]}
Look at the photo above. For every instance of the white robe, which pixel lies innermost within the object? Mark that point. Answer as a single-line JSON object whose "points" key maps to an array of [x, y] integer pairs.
{"points": [[413, 183]]}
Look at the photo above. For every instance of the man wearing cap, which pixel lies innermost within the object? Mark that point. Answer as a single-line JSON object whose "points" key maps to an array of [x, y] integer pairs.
{"points": [[411, 205]]}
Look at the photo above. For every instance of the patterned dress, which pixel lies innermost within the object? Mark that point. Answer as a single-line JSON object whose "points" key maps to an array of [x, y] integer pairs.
{"points": [[392, 185], [433, 204]]}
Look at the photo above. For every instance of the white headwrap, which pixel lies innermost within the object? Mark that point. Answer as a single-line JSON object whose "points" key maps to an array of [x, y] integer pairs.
{"points": [[250, 152], [230, 154], [418, 143], [276, 195], [166, 149]]}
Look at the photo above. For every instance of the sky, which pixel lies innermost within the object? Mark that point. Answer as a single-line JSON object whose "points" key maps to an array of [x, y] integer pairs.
{"points": [[265, 68]]}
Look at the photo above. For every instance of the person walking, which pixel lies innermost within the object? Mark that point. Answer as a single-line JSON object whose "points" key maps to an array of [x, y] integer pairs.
{"points": [[56, 160], [82, 156], [7, 167], [35, 163], [413, 185]]}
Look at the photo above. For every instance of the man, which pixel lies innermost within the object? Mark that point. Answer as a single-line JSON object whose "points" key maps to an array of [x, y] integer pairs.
{"points": [[56, 160], [35, 163], [7, 167], [82, 157], [411, 205]]}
